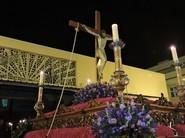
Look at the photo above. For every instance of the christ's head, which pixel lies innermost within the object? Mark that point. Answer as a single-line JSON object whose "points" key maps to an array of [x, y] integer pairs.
{"points": [[103, 33]]}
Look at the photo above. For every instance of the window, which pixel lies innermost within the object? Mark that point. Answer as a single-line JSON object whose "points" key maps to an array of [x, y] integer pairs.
{"points": [[173, 91], [4, 103]]}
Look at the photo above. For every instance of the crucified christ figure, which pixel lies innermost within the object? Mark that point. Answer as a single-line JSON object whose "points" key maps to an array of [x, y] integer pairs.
{"points": [[100, 42], [102, 39]]}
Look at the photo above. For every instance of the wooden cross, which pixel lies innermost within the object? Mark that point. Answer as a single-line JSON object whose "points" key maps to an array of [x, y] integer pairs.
{"points": [[97, 30]]}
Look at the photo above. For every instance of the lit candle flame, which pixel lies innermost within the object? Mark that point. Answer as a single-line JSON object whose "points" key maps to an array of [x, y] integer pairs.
{"points": [[174, 54]]}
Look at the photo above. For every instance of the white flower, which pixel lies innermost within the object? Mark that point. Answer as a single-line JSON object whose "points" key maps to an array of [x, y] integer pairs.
{"points": [[147, 116], [112, 121], [138, 122], [122, 106], [100, 131]]}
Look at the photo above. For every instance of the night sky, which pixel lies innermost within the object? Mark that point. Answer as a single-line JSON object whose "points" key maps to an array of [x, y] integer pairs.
{"points": [[148, 27]]}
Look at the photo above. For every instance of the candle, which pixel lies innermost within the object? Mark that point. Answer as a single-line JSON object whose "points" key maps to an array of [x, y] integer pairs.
{"points": [[143, 108], [174, 54], [41, 81], [88, 81], [115, 35]]}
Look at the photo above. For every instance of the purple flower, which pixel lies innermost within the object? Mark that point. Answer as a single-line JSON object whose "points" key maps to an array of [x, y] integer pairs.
{"points": [[93, 91], [140, 114], [143, 124], [128, 118], [124, 119], [118, 113], [122, 127]]}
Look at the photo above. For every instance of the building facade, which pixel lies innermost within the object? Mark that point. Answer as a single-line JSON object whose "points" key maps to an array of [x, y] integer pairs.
{"points": [[168, 69], [53, 61]]}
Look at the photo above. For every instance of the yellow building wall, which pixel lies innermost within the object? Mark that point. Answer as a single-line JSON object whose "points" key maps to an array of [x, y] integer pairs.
{"points": [[148, 82], [141, 81]]}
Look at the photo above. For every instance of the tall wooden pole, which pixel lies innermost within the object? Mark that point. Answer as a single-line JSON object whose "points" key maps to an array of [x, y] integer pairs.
{"points": [[98, 29]]}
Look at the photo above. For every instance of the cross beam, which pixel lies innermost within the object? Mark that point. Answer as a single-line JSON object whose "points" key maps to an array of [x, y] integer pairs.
{"points": [[74, 24]]}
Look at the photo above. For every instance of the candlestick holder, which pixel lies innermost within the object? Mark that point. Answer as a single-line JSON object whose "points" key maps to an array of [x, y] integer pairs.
{"points": [[39, 106], [180, 85], [119, 80]]}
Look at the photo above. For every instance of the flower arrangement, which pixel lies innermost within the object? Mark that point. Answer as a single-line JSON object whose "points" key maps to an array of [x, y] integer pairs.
{"points": [[93, 91], [121, 120]]}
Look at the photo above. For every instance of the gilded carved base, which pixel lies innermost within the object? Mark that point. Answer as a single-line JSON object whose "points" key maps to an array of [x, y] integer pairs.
{"points": [[85, 117], [181, 95], [39, 107], [78, 120], [119, 80]]}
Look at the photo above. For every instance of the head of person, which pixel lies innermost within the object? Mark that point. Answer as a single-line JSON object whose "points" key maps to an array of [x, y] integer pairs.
{"points": [[162, 94], [103, 33]]}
